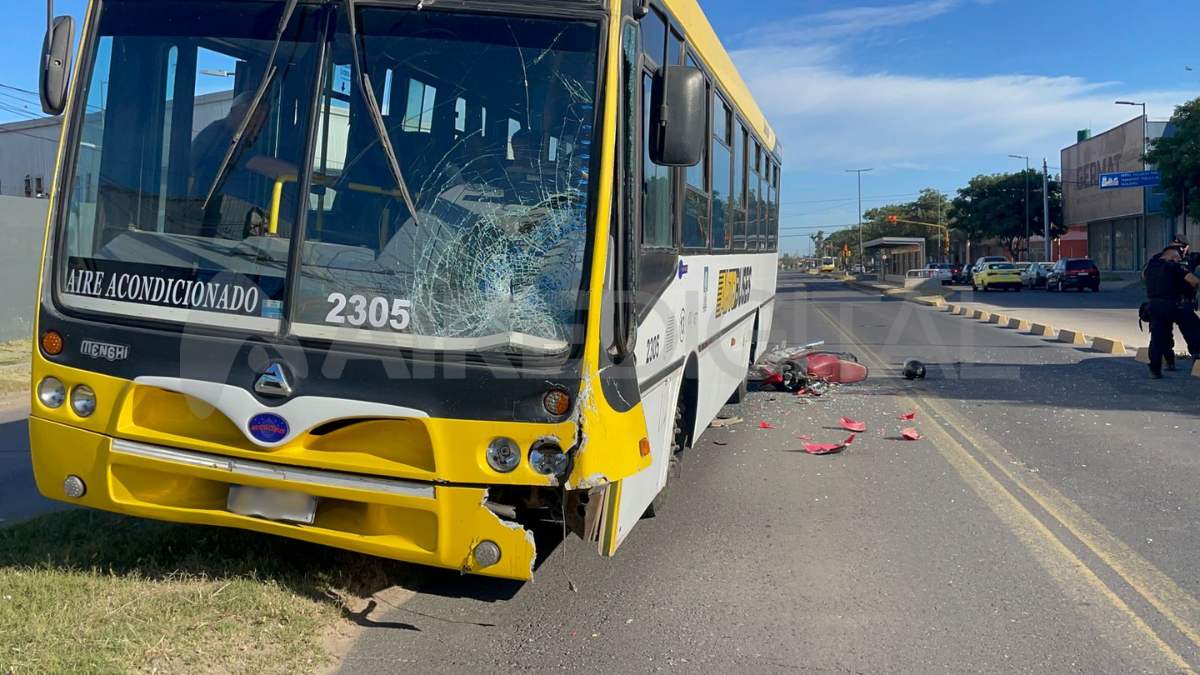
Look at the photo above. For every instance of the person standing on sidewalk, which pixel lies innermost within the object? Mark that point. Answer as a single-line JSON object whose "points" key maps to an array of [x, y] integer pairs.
{"points": [[1166, 283]]}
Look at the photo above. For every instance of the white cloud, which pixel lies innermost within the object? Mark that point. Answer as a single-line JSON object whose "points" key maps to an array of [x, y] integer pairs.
{"points": [[830, 116]]}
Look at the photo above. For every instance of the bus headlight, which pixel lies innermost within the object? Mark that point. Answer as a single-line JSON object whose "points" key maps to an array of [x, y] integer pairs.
{"points": [[503, 455], [549, 460], [51, 392], [83, 400]]}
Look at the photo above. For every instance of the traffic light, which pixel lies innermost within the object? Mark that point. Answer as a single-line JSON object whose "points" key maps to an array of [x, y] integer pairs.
{"points": [[893, 219]]}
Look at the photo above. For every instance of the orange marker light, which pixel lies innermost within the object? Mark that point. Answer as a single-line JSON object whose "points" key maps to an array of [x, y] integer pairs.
{"points": [[556, 402], [644, 447], [52, 343]]}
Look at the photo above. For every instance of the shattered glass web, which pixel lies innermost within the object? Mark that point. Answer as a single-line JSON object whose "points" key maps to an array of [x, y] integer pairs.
{"points": [[496, 256]]}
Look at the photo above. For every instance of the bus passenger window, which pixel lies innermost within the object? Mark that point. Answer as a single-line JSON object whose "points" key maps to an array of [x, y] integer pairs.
{"points": [[654, 37], [722, 177], [657, 229]]}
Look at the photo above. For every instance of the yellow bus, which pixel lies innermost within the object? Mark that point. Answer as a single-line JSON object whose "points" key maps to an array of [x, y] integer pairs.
{"points": [[403, 279]]}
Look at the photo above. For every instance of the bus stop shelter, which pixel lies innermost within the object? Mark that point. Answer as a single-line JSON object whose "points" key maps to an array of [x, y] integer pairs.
{"points": [[895, 256]]}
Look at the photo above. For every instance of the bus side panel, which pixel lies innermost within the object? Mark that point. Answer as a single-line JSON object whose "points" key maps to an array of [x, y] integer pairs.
{"points": [[722, 369], [638, 490]]}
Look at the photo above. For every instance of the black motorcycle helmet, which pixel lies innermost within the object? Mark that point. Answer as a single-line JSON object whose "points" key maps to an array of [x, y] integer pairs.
{"points": [[914, 370]]}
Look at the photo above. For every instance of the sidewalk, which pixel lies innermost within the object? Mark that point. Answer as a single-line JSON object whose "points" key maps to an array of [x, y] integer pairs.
{"points": [[1110, 314]]}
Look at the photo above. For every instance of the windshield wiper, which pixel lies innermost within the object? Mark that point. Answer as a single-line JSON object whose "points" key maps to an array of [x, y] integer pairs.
{"points": [[258, 94], [368, 93]]}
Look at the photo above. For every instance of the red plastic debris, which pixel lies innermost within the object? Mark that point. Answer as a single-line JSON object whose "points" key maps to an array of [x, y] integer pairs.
{"points": [[765, 425], [805, 438], [909, 416], [772, 377], [720, 443], [851, 425], [828, 448], [911, 434]]}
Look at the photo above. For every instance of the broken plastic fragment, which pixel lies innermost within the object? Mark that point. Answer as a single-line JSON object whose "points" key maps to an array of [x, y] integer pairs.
{"points": [[725, 422], [805, 438], [851, 425], [765, 425], [720, 443], [909, 416], [828, 448], [771, 376], [911, 434]]}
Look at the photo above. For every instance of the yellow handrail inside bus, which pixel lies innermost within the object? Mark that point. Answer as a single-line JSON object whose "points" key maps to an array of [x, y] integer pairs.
{"points": [[277, 195]]}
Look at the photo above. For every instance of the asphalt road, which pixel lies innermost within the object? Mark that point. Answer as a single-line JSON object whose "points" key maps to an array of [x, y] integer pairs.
{"points": [[1046, 523], [19, 497]]}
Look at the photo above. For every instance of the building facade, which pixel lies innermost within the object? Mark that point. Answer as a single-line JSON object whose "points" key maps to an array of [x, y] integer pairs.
{"points": [[1122, 227]]}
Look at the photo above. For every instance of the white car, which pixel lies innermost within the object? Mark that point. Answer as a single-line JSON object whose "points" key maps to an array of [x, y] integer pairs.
{"points": [[942, 271]]}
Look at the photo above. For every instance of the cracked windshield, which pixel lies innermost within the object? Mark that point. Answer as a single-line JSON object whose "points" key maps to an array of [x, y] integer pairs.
{"points": [[475, 240], [600, 336]]}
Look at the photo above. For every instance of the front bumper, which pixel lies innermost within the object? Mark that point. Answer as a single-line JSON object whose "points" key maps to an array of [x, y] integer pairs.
{"points": [[413, 521]]}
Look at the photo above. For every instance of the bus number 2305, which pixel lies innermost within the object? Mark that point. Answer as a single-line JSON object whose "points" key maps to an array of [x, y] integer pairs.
{"points": [[359, 310]]}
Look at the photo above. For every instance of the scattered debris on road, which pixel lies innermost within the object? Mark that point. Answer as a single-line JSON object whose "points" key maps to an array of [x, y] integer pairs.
{"points": [[725, 422], [911, 434], [765, 425], [828, 448], [851, 425]]}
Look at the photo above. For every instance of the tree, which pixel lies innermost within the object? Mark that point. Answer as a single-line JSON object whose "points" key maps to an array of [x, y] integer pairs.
{"points": [[1177, 157], [994, 207]]}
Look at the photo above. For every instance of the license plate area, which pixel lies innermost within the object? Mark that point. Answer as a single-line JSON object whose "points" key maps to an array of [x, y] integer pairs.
{"points": [[281, 505]]}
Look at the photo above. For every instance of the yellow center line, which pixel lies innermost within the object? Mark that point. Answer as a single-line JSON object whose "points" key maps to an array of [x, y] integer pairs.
{"points": [[1078, 581]]}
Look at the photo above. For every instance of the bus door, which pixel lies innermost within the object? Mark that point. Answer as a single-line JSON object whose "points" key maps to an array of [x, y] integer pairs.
{"points": [[656, 215]]}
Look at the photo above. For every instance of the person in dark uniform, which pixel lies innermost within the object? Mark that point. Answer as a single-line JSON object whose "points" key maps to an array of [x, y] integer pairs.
{"points": [[1166, 284]]}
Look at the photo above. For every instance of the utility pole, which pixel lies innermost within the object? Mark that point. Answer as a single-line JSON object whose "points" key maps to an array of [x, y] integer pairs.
{"points": [[861, 258], [1046, 205], [1026, 202]]}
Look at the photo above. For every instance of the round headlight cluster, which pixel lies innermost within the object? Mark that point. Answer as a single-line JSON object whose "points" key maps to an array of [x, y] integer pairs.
{"points": [[83, 400], [503, 455], [549, 460], [51, 392]]}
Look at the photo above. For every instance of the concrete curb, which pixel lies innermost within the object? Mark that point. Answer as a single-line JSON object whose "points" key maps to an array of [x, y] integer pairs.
{"points": [[1196, 369], [1042, 329], [1143, 355], [981, 315], [1071, 337], [1107, 346], [998, 319], [1019, 324], [898, 293]]}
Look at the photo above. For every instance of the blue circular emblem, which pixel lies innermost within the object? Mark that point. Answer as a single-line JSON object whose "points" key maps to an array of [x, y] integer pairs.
{"points": [[268, 427]]}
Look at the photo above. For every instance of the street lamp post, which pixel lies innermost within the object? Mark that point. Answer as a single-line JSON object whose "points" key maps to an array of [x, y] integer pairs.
{"points": [[1144, 124], [1026, 202], [861, 258]]}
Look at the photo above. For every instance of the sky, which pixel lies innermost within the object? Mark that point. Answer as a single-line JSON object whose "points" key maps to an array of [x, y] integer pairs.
{"points": [[927, 93]]}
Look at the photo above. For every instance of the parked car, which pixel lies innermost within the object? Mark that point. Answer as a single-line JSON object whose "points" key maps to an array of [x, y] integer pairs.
{"points": [[1034, 276], [1077, 273], [997, 275], [943, 271]]}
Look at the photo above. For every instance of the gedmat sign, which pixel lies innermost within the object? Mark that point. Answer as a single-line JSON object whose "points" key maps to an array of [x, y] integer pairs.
{"points": [[226, 292]]}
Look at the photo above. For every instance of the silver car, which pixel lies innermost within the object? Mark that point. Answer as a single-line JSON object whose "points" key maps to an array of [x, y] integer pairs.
{"points": [[1034, 276]]}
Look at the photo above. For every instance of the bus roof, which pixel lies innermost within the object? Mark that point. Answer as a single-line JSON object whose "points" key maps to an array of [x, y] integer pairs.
{"points": [[700, 33]]}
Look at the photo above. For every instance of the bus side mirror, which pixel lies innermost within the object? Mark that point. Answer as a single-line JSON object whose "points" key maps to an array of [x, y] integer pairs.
{"points": [[678, 118], [56, 65]]}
